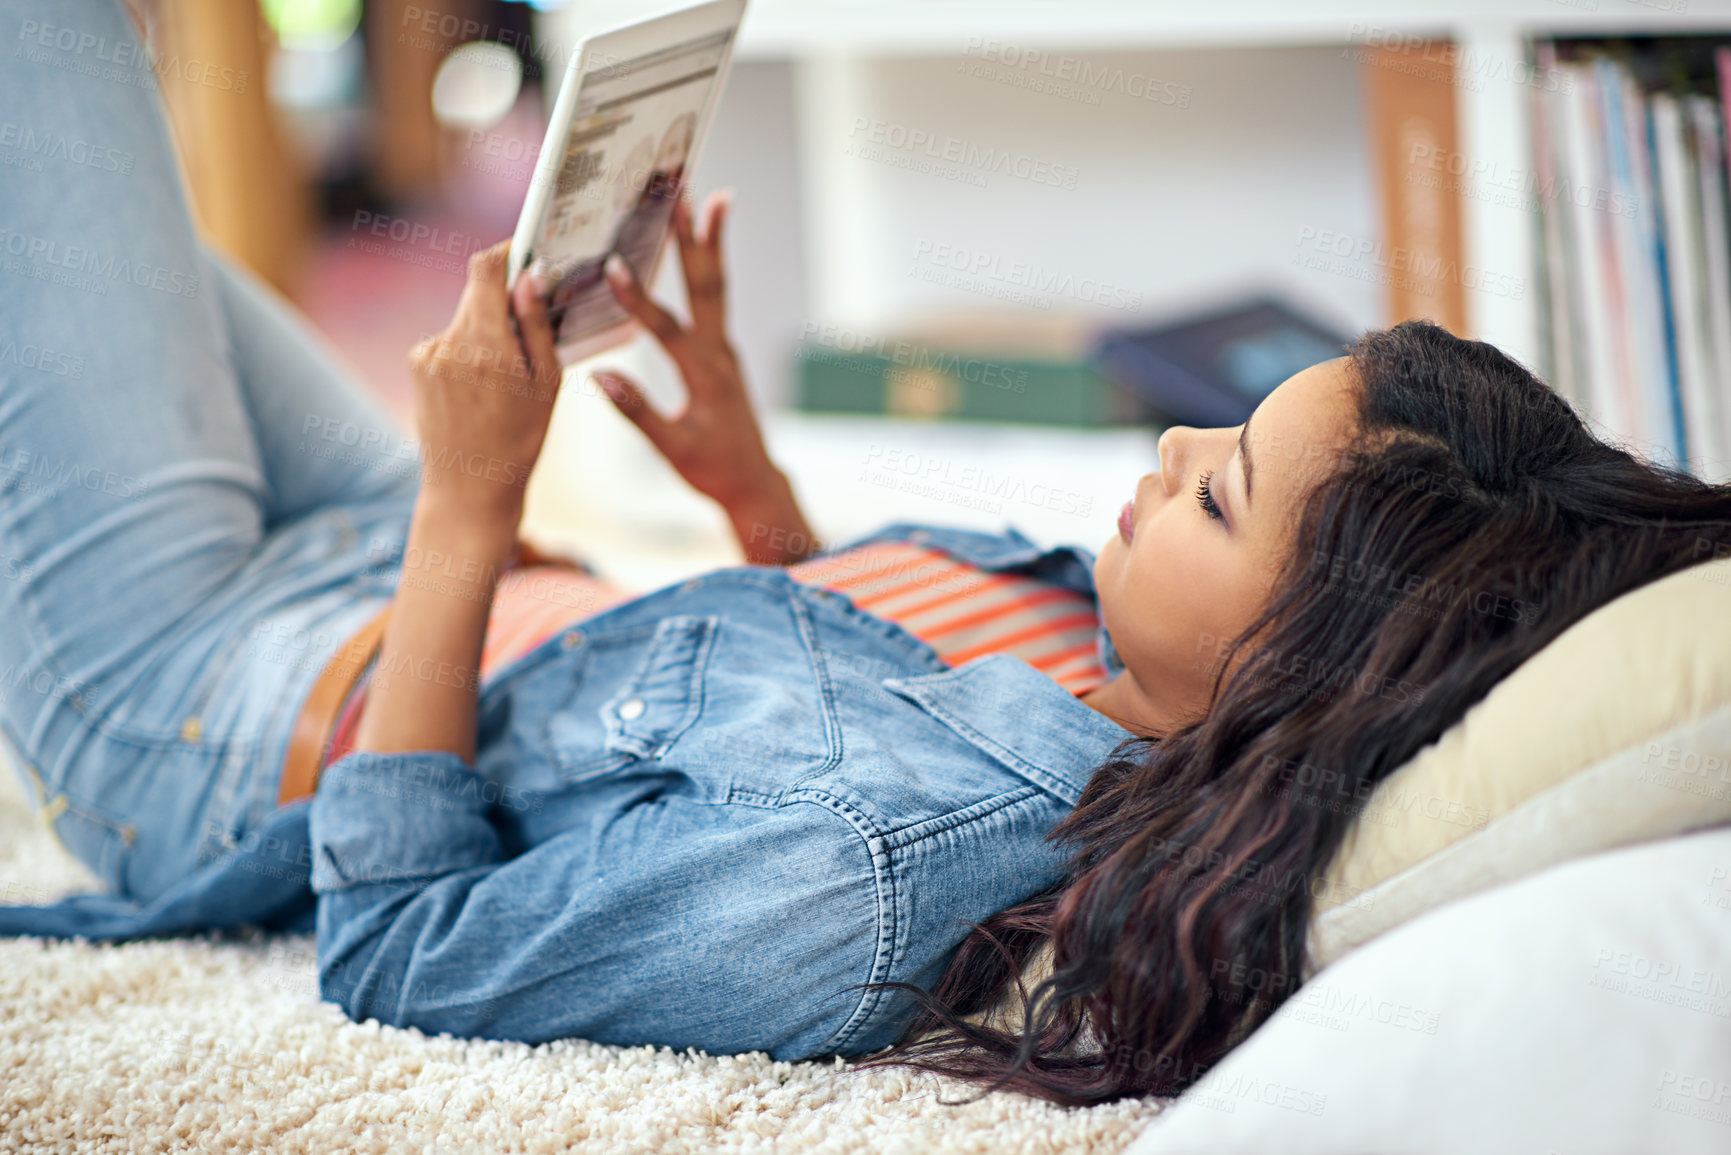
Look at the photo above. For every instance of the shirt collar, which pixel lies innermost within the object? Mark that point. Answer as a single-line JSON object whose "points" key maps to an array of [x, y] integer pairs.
{"points": [[1020, 717]]}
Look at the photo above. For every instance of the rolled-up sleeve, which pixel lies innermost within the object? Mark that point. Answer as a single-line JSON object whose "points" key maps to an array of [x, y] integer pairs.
{"points": [[390, 819], [667, 921]]}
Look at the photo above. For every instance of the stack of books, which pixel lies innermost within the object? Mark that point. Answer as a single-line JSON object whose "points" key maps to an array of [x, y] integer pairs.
{"points": [[1209, 368], [996, 367], [1631, 181]]}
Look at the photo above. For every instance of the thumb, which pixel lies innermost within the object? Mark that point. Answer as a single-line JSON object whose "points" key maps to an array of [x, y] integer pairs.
{"points": [[530, 309], [629, 400]]}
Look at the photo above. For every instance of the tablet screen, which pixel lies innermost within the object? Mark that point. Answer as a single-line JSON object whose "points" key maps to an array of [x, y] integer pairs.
{"points": [[622, 169]]}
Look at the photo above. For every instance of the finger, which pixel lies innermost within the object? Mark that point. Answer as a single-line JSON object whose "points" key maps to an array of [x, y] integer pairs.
{"points": [[700, 261], [529, 306], [716, 209], [629, 400], [682, 224], [662, 325], [484, 299]]}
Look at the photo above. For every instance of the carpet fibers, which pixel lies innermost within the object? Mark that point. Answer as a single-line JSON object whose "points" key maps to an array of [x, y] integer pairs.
{"points": [[222, 1045]]}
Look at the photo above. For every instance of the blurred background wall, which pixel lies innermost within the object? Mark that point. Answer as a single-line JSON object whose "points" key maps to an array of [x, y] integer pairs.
{"points": [[1339, 167]]}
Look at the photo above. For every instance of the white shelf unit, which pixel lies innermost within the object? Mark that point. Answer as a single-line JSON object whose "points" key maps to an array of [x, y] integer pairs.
{"points": [[792, 28]]}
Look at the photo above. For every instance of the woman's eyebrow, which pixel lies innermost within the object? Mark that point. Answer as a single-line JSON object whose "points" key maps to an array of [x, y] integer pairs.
{"points": [[1244, 456]]}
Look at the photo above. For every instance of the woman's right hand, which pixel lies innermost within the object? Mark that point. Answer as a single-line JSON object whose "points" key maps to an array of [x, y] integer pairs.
{"points": [[484, 392], [714, 442]]}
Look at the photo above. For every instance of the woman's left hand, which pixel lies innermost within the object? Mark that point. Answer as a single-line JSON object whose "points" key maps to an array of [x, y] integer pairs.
{"points": [[714, 442]]}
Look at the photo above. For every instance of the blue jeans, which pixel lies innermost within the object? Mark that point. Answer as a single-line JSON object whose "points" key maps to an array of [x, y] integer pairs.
{"points": [[197, 503]]}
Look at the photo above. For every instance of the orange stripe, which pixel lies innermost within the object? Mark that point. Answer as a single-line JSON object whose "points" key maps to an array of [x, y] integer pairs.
{"points": [[1026, 601], [1092, 676], [1003, 642], [849, 579], [984, 585], [1048, 661], [1081, 686], [900, 574], [1093, 673], [875, 560], [903, 588]]}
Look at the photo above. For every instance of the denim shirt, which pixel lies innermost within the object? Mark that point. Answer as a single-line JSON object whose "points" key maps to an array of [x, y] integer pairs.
{"points": [[700, 818]]}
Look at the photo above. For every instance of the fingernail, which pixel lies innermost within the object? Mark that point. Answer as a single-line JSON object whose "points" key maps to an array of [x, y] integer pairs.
{"points": [[616, 269], [608, 386]]}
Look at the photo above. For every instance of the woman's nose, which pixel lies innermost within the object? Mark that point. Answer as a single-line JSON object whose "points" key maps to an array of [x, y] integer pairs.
{"points": [[1172, 450]]}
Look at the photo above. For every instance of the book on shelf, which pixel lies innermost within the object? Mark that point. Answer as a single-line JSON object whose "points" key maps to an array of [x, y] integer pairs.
{"points": [[1635, 239], [972, 368], [1213, 368], [1410, 93]]}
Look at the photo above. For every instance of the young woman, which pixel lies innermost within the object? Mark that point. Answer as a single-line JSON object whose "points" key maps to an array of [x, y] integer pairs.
{"points": [[810, 805]]}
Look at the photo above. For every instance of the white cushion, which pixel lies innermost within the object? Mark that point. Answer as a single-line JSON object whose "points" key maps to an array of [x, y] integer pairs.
{"points": [[1585, 1009]]}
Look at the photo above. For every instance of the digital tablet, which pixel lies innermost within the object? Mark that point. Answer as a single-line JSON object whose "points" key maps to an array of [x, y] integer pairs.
{"points": [[625, 129]]}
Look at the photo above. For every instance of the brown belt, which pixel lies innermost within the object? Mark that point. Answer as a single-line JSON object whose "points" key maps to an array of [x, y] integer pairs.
{"points": [[318, 717]]}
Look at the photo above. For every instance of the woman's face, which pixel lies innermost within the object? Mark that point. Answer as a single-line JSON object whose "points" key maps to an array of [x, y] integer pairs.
{"points": [[1199, 547]]}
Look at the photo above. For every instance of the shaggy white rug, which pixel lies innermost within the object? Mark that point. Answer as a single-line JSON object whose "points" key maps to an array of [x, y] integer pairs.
{"points": [[223, 1045]]}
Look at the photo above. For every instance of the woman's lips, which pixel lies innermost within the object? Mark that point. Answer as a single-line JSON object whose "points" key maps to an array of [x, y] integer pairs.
{"points": [[1127, 521]]}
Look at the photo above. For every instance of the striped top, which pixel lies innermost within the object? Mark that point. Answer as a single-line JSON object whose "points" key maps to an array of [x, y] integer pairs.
{"points": [[964, 612], [532, 603], [961, 611]]}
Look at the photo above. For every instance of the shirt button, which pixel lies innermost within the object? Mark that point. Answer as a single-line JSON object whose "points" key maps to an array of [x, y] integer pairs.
{"points": [[630, 708], [573, 639], [191, 729]]}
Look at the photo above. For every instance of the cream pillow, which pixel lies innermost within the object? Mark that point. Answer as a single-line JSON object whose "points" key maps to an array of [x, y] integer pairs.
{"points": [[1617, 732]]}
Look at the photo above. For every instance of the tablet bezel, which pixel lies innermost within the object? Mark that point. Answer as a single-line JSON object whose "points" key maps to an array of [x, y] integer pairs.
{"points": [[595, 53]]}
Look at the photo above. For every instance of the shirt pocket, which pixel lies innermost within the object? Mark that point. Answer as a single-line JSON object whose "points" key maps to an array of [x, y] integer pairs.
{"points": [[637, 693]]}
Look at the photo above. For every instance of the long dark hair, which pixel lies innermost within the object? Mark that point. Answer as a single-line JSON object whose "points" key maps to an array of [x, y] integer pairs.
{"points": [[1474, 518]]}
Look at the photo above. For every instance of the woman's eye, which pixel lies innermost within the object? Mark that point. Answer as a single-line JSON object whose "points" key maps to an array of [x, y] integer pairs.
{"points": [[1205, 496]]}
